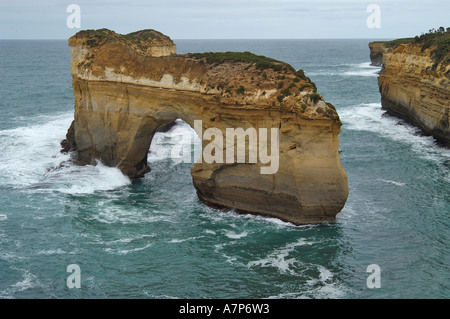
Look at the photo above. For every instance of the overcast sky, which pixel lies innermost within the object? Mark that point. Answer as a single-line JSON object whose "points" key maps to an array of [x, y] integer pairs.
{"points": [[220, 19]]}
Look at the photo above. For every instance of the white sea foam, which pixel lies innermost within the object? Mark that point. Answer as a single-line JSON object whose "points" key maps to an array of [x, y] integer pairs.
{"points": [[112, 214], [371, 118], [278, 258], [3, 217], [229, 259], [391, 182], [331, 291], [163, 143], [127, 251], [10, 256], [324, 286], [234, 235], [362, 73], [276, 222], [128, 240], [52, 252], [28, 281], [326, 291], [217, 215], [324, 276], [364, 69], [176, 241], [27, 152], [89, 179], [30, 158], [346, 213], [367, 65], [160, 296]]}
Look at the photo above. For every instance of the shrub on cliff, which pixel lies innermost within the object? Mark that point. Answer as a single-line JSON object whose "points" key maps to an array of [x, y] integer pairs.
{"points": [[315, 97], [301, 74], [439, 43], [304, 86], [286, 92], [303, 107]]}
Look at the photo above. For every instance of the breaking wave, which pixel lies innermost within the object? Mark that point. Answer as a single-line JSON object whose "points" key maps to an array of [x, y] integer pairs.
{"points": [[30, 158]]}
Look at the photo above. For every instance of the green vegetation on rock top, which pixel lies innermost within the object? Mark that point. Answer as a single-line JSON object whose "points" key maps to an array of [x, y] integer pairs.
{"points": [[98, 33], [438, 40], [261, 62], [439, 43], [145, 35], [141, 38], [397, 42]]}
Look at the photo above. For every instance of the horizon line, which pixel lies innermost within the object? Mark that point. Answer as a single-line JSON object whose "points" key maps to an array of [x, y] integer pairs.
{"points": [[176, 39]]}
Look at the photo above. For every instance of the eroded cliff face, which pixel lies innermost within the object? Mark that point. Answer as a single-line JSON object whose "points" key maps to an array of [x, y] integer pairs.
{"points": [[124, 93], [414, 86], [378, 51]]}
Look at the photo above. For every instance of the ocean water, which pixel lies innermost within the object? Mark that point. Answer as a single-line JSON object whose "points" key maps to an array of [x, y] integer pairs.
{"points": [[152, 238]]}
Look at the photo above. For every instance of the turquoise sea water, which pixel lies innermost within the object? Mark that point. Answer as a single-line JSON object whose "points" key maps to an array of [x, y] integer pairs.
{"points": [[152, 238]]}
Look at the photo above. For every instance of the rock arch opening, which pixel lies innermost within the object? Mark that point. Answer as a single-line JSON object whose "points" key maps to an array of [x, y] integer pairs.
{"points": [[174, 142]]}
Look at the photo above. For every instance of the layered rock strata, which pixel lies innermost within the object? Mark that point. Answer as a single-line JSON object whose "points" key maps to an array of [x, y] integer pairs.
{"points": [[124, 93], [415, 86]]}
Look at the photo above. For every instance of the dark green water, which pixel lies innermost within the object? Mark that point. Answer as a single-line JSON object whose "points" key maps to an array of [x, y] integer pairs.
{"points": [[152, 238]]}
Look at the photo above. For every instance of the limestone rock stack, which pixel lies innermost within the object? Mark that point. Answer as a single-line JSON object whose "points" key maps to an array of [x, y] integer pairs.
{"points": [[128, 86]]}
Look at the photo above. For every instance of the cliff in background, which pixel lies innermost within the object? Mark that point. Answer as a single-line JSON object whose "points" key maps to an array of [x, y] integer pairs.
{"points": [[415, 81], [126, 87]]}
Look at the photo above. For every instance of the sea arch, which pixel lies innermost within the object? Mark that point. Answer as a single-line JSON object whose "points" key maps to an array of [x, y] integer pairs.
{"points": [[123, 94]]}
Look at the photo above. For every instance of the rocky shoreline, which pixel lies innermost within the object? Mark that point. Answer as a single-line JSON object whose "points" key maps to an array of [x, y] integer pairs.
{"points": [[415, 83]]}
